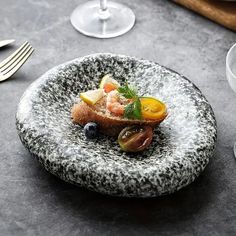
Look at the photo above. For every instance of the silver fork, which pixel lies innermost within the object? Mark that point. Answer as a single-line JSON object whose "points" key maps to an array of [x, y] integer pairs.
{"points": [[12, 64]]}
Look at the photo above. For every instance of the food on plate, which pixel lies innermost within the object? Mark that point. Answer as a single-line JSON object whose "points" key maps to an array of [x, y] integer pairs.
{"points": [[135, 138], [152, 109], [91, 130], [92, 96], [115, 108], [108, 83]]}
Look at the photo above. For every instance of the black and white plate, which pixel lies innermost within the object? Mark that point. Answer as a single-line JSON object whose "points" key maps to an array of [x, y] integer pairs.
{"points": [[182, 146]]}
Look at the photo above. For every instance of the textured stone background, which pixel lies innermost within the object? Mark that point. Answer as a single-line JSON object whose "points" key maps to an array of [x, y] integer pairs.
{"points": [[33, 202]]}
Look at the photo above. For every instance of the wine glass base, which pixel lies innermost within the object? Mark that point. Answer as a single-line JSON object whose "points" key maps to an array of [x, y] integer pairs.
{"points": [[87, 20]]}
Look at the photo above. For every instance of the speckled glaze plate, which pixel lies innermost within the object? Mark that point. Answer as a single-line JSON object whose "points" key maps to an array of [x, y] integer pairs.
{"points": [[182, 146]]}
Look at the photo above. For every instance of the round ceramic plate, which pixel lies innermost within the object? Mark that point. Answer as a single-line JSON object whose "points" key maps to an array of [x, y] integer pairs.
{"points": [[182, 145]]}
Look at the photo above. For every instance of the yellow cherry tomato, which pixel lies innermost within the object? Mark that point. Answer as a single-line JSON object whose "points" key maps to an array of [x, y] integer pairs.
{"points": [[153, 109]]}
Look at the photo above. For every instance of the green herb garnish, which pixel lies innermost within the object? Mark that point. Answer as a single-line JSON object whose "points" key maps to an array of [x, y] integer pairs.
{"points": [[127, 92], [132, 110]]}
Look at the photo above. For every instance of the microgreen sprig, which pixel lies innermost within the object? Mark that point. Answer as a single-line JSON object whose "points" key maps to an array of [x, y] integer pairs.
{"points": [[133, 109]]}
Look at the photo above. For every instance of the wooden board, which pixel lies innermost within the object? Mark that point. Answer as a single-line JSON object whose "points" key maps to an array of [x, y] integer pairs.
{"points": [[221, 12]]}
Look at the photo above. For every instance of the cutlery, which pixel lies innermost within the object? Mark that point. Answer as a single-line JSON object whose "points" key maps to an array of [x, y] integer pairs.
{"points": [[12, 64], [6, 42]]}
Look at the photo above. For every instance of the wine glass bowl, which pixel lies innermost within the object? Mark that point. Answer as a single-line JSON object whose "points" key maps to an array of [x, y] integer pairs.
{"points": [[102, 19], [231, 72]]}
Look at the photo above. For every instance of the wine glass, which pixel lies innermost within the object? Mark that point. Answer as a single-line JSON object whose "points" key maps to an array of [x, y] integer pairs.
{"points": [[102, 20], [231, 73]]}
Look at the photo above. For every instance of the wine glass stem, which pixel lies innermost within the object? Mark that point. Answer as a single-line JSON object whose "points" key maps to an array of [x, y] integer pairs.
{"points": [[103, 5], [104, 13], [235, 149]]}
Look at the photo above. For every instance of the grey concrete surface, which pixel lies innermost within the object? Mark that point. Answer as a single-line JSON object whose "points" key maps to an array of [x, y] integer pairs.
{"points": [[33, 202]]}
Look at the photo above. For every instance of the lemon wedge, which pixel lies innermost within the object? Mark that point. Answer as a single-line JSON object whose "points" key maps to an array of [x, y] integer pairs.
{"points": [[92, 96], [107, 79]]}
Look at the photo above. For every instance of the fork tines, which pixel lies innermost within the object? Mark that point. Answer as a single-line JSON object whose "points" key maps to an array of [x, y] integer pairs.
{"points": [[10, 65]]}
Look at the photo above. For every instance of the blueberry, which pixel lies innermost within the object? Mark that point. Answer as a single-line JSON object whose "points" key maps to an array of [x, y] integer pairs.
{"points": [[91, 130]]}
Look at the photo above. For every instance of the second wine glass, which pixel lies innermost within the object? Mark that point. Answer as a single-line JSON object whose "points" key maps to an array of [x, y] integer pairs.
{"points": [[102, 19], [231, 73]]}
